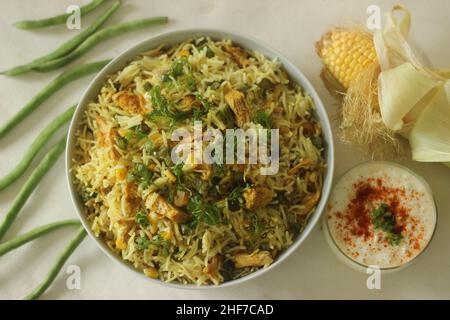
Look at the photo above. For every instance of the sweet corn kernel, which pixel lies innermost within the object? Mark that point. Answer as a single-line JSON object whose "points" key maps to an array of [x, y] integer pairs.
{"points": [[120, 244], [151, 273], [167, 235], [122, 132], [121, 173], [153, 218], [170, 176]]}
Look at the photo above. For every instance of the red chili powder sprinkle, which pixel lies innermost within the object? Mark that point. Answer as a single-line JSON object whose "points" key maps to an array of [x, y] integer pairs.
{"points": [[368, 194]]}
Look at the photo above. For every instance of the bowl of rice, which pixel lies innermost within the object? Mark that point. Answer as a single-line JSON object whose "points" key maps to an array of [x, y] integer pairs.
{"points": [[194, 221]]}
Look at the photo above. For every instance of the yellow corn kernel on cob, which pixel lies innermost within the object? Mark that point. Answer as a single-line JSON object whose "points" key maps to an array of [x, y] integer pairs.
{"points": [[346, 52]]}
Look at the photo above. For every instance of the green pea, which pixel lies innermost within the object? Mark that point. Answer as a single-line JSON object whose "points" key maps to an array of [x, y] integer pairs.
{"points": [[265, 84]]}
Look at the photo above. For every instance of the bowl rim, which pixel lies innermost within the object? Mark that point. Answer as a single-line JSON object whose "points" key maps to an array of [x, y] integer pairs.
{"points": [[248, 43]]}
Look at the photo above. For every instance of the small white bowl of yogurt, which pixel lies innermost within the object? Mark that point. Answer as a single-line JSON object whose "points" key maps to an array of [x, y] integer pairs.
{"points": [[380, 214]]}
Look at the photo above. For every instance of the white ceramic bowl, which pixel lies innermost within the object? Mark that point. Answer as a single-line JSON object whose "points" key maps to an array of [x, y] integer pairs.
{"points": [[173, 38]]}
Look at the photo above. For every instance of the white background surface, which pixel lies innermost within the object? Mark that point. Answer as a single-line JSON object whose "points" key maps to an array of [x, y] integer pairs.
{"points": [[292, 27]]}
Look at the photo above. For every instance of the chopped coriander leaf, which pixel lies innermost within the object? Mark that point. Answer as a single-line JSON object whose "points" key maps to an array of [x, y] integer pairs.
{"points": [[258, 228], [131, 177], [177, 69], [190, 81], [207, 212], [383, 219], [178, 170], [141, 131], [206, 104], [149, 147], [142, 219], [162, 109], [143, 242], [165, 251], [144, 172], [158, 241], [129, 135], [235, 199], [143, 185], [211, 214], [263, 119]]}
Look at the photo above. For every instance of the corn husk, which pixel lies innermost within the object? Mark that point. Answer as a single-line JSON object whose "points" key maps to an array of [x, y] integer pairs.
{"points": [[414, 99], [400, 91], [430, 136]]}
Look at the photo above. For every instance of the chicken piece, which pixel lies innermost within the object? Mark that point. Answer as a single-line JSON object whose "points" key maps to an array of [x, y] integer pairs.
{"points": [[161, 207], [237, 103], [239, 55], [107, 137], [277, 113], [130, 102], [257, 197], [131, 196], [205, 170], [181, 198], [259, 259], [212, 269], [304, 163], [310, 202], [189, 102]]}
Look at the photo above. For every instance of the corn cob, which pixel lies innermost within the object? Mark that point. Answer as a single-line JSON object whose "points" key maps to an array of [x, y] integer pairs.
{"points": [[346, 52]]}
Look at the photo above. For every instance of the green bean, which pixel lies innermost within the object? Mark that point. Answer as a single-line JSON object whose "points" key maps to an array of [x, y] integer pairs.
{"points": [[44, 166], [65, 78], [98, 37], [66, 47], [60, 19], [35, 147], [34, 234], [56, 268]]}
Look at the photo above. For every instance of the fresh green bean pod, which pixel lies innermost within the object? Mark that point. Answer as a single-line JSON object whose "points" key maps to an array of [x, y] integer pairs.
{"points": [[35, 147], [44, 166], [34, 234], [98, 37], [60, 19], [59, 263], [66, 47], [59, 82]]}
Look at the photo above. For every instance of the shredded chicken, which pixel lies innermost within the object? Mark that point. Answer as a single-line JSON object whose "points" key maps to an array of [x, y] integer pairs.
{"points": [[181, 198], [239, 55], [212, 269], [311, 201], [258, 259], [131, 103], [257, 197], [304, 163], [236, 101], [107, 137], [161, 207], [189, 102]]}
